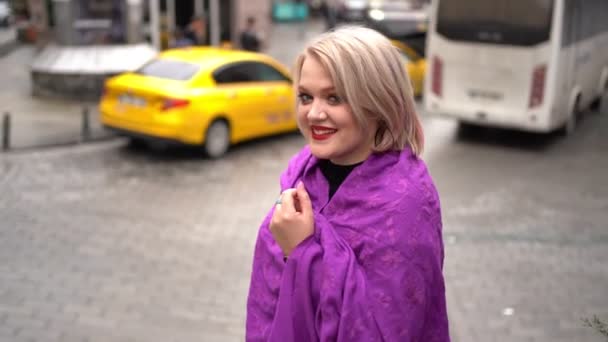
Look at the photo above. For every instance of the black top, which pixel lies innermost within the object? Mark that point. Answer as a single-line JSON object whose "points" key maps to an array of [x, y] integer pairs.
{"points": [[250, 41], [335, 174]]}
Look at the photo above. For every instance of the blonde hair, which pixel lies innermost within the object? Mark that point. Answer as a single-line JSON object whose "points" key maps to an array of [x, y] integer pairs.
{"points": [[368, 73]]}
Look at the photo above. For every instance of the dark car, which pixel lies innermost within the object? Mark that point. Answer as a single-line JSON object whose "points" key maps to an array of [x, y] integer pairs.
{"points": [[352, 10], [398, 18], [5, 14]]}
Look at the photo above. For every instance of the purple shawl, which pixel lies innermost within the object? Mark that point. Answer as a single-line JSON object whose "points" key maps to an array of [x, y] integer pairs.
{"points": [[372, 271]]}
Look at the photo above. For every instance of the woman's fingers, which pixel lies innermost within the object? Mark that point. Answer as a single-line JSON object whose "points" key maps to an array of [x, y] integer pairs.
{"points": [[287, 201], [295, 200], [303, 199], [292, 220]]}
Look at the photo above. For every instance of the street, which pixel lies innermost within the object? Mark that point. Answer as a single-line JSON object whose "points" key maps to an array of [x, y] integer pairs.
{"points": [[103, 242]]}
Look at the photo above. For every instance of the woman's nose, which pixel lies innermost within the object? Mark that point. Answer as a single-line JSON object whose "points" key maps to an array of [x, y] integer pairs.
{"points": [[317, 111]]}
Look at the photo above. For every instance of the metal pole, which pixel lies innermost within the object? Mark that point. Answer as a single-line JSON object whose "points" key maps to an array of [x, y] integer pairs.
{"points": [[155, 23], [214, 20], [6, 131], [199, 10], [171, 16], [63, 17], [133, 20], [86, 125]]}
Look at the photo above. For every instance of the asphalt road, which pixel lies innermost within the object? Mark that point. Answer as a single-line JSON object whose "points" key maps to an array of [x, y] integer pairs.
{"points": [[103, 242]]}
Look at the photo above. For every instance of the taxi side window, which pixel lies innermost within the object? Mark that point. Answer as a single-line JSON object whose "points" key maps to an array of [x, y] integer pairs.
{"points": [[270, 74], [248, 72], [236, 73]]}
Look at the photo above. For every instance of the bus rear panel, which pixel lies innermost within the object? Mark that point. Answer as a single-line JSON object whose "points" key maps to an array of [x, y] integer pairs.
{"points": [[489, 62]]}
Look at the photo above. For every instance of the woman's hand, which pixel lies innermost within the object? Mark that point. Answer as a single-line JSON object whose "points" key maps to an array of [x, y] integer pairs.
{"points": [[292, 220]]}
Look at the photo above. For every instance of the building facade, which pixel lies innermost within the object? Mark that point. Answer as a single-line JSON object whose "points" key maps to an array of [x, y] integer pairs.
{"points": [[99, 22], [96, 39]]}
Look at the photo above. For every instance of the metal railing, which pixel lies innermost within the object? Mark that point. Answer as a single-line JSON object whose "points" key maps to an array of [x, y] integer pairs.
{"points": [[85, 134]]}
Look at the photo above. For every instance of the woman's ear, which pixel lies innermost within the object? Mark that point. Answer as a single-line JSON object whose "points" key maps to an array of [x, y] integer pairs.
{"points": [[380, 132]]}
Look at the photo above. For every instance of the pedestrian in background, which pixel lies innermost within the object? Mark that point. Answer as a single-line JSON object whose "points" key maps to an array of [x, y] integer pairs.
{"points": [[352, 250], [250, 38], [329, 9], [197, 30], [180, 39]]}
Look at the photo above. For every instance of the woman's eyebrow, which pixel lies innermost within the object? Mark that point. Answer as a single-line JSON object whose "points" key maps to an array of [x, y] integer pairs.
{"points": [[323, 90]]}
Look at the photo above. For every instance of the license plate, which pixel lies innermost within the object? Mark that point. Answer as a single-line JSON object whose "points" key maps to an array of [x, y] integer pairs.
{"points": [[132, 100], [484, 95]]}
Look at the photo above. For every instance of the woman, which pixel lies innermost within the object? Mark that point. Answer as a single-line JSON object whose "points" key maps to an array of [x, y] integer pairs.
{"points": [[352, 250]]}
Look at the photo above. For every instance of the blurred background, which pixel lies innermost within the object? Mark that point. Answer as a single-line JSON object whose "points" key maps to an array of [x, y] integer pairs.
{"points": [[142, 145]]}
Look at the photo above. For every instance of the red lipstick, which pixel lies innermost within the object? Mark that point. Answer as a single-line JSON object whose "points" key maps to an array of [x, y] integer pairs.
{"points": [[322, 132]]}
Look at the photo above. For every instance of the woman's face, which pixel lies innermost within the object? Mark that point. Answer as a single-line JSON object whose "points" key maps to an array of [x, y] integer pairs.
{"points": [[327, 121]]}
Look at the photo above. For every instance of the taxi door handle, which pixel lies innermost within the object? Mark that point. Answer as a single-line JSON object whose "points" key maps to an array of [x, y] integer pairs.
{"points": [[232, 95]]}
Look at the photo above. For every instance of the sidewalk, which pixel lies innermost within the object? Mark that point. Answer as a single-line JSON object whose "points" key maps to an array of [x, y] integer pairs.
{"points": [[8, 40], [287, 39], [38, 122]]}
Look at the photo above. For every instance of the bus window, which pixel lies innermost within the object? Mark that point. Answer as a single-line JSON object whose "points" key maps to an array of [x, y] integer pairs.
{"points": [[512, 22]]}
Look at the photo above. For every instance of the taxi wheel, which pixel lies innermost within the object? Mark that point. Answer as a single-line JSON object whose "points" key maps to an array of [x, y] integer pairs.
{"points": [[137, 143], [217, 139]]}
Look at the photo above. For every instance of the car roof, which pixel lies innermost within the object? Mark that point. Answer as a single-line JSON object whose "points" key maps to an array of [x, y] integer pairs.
{"points": [[408, 50], [212, 57]]}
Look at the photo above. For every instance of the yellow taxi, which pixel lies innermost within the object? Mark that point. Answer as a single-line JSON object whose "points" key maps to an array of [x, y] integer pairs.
{"points": [[204, 96], [415, 65]]}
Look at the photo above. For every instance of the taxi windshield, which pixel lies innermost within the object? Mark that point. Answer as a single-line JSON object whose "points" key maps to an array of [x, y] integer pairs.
{"points": [[169, 69]]}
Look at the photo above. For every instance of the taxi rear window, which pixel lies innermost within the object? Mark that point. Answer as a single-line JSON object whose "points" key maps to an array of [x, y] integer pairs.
{"points": [[169, 69]]}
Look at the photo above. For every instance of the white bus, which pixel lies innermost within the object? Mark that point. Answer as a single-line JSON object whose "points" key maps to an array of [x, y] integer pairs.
{"points": [[531, 65]]}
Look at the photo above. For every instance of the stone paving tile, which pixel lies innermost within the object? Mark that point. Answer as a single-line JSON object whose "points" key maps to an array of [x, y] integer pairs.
{"points": [[168, 263], [106, 243], [115, 244]]}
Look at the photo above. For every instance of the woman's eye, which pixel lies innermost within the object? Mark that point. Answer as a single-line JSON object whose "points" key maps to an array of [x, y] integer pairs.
{"points": [[304, 98], [334, 99]]}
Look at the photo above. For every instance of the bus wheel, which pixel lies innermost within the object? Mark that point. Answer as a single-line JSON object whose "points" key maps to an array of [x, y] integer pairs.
{"points": [[217, 139], [469, 129], [601, 103], [570, 125], [602, 106]]}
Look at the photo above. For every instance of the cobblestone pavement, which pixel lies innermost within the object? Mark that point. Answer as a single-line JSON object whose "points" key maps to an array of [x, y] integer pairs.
{"points": [[8, 40], [104, 243], [108, 243], [526, 233]]}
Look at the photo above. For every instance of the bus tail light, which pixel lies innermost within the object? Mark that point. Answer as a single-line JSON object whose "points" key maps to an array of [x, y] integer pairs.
{"points": [[437, 77], [537, 91], [174, 103]]}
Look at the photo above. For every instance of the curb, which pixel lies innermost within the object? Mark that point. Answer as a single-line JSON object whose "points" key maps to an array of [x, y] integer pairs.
{"points": [[7, 47], [73, 143], [8, 41]]}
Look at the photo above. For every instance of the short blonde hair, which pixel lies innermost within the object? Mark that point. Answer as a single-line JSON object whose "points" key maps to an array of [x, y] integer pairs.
{"points": [[368, 73]]}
